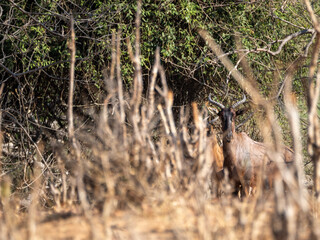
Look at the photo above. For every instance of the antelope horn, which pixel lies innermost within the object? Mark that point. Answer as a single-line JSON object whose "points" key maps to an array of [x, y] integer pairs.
{"points": [[240, 102], [219, 105]]}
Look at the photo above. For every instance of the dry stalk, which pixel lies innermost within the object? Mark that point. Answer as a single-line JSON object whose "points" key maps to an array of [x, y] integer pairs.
{"points": [[72, 48], [203, 165], [110, 202], [120, 91], [1, 135], [312, 15], [34, 196], [176, 149], [62, 169], [109, 81], [313, 99], [188, 151], [4, 184], [137, 80], [293, 117], [138, 73], [167, 131], [79, 169], [168, 117], [154, 74], [300, 192], [150, 112]]}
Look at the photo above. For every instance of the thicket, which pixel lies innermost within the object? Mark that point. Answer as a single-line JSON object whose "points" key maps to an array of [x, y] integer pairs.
{"points": [[35, 60]]}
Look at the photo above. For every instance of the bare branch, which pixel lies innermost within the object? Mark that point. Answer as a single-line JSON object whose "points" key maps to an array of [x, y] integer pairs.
{"points": [[309, 44], [267, 48], [250, 89], [9, 71], [283, 20], [16, 75], [40, 23], [285, 40]]}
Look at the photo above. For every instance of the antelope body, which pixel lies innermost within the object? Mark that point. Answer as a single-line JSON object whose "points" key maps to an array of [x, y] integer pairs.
{"points": [[244, 157]]}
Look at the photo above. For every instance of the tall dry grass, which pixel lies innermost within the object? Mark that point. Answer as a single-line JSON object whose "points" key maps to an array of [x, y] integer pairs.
{"points": [[136, 172]]}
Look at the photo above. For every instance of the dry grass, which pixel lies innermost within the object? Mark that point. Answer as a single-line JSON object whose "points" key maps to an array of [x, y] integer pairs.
{"points": [[136, 173], [175, 216]]}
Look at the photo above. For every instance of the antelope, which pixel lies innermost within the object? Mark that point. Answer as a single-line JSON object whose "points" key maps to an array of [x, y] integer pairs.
{"points": [[243, 157]]}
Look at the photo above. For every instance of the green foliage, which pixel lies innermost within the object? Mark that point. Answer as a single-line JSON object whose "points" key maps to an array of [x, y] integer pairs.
{"points": [[168, 24]]}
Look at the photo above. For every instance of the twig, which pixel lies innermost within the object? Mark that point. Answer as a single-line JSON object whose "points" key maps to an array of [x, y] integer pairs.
{"points": [[40, 23], [154, 74], [283, 20], [285, 40], [16, 75], [309, 44], [244, 121], [238, 62], [230, 67]]}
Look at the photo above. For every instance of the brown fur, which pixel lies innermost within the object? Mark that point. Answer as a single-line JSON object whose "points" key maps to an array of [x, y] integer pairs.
{"points": [[244, 159]]}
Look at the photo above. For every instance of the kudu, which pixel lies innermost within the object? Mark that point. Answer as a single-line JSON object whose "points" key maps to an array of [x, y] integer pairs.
{"points": [[244, 157]]}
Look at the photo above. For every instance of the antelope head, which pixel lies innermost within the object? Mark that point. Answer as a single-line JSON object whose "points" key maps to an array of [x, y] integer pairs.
{"points": [[227, 116]]}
